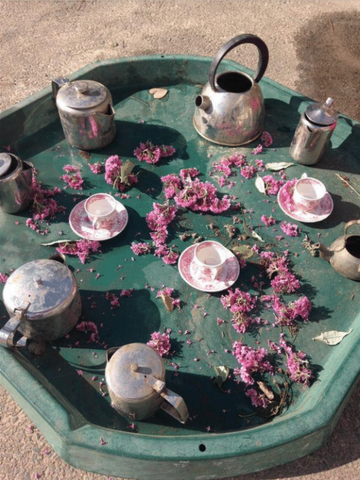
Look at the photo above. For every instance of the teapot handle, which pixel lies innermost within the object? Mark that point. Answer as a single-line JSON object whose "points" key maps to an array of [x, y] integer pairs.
{"points": [[173, 404], [234, 42]]}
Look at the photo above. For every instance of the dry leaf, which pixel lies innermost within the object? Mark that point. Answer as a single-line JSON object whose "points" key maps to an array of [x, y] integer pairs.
{"points": [[158, 93], [167, 302], [332, 337], [257, 237], [125, 171], [260, 184], [57, 241], [278, 166], [243, 251], [266, 390], [222, 374]]}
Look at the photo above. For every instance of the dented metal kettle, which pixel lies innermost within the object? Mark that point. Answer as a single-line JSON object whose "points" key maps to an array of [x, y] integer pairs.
{"points": [[135, 377], [86, 113], [344, 253], [230, 110]]}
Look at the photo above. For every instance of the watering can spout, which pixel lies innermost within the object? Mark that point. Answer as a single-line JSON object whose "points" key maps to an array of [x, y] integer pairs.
{"points": [[324, 252]]}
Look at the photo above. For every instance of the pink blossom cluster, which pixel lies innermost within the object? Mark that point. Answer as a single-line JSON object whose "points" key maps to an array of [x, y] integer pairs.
{"points": [[288, 194], [96, 168], [73, 177], [169, 293], [272, 186], [269, 221], [193, 194], [89, 327], [113, 174], [278, 270], [259, 400], [251, 361], [266, 139], [3, 277], [158, 220], [82, 248], [44, 206], [290, 229], [240, 304], [297, 363], [287, 314], [257, 150], [149, 153], [113, 299], [160, 342], [141, 248]]}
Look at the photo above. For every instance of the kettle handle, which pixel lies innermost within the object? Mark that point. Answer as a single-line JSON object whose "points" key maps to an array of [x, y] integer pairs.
{"points": [[234, 42]]}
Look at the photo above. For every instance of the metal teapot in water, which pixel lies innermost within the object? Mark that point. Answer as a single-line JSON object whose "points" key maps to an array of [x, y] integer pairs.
{"points": [[86, 113], [135, 376], [344, 253], [230, 110]]}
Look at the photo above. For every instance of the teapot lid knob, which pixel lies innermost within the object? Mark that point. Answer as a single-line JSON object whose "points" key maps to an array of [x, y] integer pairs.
{"points": [[81, 87]]}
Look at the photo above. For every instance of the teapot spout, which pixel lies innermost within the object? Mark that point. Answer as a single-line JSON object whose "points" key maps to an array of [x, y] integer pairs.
{"points": [[203, 102], [324, 252]]}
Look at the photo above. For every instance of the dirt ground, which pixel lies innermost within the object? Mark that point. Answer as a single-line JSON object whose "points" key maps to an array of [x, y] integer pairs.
{"points": [[314, 49]]}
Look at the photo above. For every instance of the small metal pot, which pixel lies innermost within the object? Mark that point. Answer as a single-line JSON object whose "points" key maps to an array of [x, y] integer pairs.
{"points": [[15, 183], [86, 113], [135, 376], [43, 300]]}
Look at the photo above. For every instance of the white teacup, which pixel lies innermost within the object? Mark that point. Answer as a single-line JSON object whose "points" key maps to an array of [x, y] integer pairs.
{"points": [[209, 257], [101, 209], [308, 193]]}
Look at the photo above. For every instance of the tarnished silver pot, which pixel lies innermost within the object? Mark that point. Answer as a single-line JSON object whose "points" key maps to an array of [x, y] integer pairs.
{"points": [[15, 183], [135, 377], [43, 301], [230, 110], [86, 113]]}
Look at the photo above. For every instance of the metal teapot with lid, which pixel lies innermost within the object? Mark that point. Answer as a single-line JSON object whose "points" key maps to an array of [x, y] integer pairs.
{"points": [[344, 254], [230, 110], [15, 183], [43, 301], [135, 375], [86, 112]]}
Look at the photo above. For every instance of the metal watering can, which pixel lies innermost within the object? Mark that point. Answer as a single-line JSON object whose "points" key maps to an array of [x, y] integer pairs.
{"points": [[135, 375], [86, 113], [230, 110], [344, 254]]}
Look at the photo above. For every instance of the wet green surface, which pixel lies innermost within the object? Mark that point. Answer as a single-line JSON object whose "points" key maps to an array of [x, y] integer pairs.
{"points": [[334, 299]]}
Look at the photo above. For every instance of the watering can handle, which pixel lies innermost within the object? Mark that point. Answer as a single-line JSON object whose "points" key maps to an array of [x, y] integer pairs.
{"points": [[234, 42], [348, 225]]}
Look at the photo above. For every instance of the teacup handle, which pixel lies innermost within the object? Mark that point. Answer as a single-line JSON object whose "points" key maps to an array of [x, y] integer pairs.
{"points": [[234, 42]]}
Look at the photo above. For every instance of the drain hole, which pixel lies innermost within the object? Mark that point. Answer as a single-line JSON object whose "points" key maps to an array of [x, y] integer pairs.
{"points": [[202, 447]]}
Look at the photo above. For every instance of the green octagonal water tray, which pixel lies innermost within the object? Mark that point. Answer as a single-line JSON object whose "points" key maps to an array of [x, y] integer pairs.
{"points": [[63, 390]]}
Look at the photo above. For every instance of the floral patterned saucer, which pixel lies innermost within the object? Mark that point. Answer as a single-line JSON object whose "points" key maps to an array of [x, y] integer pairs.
{"points": [[81, 225], [322, 211], [226, 277]]}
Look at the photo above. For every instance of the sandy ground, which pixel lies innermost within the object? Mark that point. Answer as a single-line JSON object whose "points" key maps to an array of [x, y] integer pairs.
{"points": [[314, 49]]}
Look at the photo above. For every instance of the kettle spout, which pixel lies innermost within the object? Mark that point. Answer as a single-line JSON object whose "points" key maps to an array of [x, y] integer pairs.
{"points": [[324, 252], [203, 102]]}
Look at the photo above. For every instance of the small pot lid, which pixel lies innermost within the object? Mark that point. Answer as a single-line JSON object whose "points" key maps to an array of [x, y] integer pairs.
{"points": [[322, 114], [5, 163], [39, 286], [128, 368], [82, 94]]}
